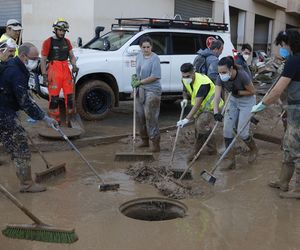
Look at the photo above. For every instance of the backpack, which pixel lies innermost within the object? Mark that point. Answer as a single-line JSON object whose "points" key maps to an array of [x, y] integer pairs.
{"points": [[200, 64]]}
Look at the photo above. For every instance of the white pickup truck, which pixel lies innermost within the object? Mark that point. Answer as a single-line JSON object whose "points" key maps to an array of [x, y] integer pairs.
{"points": [[107, 62]]}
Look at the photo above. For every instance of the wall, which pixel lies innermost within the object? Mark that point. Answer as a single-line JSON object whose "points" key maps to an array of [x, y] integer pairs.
{"points": [[38, 17], [105, 15]]}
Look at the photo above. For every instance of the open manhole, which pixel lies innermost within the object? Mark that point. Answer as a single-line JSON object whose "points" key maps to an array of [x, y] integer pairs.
{"points": [[153, 209]]}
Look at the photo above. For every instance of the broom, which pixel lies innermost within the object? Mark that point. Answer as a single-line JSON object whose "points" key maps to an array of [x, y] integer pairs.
{"points": [[103, 186], [38, 231], [51, 170]]}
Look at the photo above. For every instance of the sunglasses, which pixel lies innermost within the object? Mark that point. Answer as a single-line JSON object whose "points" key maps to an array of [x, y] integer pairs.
{"points": [[15, 24]]}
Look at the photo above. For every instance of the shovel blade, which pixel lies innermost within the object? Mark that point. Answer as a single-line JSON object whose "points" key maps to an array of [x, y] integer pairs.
{"points": [[211, 179]]}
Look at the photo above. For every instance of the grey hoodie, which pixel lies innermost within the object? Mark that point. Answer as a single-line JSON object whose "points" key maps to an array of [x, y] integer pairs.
{"points": [[211, 63]]}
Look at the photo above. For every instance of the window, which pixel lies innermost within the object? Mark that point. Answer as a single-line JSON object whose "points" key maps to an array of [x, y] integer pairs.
{"points": [[160, 41], [186, 44]]}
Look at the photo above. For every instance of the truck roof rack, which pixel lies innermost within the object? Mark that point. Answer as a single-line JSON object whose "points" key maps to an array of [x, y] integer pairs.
{"points": [[145, 22]]}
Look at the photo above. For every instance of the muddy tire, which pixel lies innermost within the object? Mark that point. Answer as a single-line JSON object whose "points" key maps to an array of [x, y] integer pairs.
{"points": [[95, 100]]}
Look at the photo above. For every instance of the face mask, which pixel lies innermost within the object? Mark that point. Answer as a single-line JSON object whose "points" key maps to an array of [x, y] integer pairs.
{"points": [[225, 77], [31, 64], [246, 57], [187, 80], [284, 53]]}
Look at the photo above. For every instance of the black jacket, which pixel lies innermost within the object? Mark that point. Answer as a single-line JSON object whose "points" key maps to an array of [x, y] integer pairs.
{"points": [[14, 93]]}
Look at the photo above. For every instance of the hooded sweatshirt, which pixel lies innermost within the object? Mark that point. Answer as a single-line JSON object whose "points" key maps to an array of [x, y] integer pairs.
{"points": [[211, 63]]}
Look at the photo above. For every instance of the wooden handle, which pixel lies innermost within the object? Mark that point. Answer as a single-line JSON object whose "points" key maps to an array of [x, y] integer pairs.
{"points": [[14, 200], [134, 119], [39, 151]]}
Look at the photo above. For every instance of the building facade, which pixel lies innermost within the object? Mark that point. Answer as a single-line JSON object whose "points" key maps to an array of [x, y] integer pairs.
{"points": [[252, 21]]}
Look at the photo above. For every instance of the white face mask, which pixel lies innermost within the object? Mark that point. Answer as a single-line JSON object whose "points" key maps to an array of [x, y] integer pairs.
{"points": [[187, 80], [31, 64], [246, 57], [225, 77]]}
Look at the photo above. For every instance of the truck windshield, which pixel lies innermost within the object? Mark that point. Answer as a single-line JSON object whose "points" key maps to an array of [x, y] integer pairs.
{"points": [[111, 41]]}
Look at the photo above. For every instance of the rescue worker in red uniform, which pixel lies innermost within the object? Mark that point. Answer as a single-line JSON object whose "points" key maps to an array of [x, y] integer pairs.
{"points": [[56, 51]]}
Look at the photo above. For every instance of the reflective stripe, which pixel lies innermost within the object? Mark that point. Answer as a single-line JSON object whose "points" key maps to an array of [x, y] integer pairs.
{"points": [[207, 103]]}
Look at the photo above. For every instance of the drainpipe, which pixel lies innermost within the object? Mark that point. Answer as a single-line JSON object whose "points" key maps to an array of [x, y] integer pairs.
{"points": [[226, 14]]}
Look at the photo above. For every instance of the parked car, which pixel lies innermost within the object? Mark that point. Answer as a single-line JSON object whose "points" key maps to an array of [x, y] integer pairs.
{"points": [[107, 62]]}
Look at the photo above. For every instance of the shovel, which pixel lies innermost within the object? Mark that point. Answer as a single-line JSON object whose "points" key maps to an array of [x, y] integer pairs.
{"points": [[75, 119], [208, 176], [134, 156], [207, 140]]}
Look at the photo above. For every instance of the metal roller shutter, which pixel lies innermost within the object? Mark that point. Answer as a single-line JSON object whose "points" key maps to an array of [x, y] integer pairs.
{"points": [[193, 8], [8, 10]]}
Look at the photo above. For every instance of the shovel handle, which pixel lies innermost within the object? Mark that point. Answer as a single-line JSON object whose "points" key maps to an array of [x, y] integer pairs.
{"points": [[176, 137], [207, 140], [14, 200]]}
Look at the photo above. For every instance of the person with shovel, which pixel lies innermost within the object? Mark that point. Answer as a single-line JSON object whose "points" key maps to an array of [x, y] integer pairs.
{"points": [[235, 80], [201, 90], [14, 97], [147, 80], [57, 50], [289, 82]]}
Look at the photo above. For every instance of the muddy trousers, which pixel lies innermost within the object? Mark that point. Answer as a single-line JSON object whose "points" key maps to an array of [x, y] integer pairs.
{"points": [[14, 139], [291, 149], [147, 114], [59, 77], [236, 115]]}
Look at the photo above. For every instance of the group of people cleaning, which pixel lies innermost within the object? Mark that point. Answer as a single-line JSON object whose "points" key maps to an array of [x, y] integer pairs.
{"points": [[16, 62], [205, 92]]}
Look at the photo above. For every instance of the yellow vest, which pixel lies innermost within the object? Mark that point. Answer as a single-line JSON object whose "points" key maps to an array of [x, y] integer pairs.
{"points": [[207, 103], [3, 38]]}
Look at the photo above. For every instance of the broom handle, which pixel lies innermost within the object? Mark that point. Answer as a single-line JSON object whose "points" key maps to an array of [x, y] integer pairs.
{"points": [[238, 134], [78, 152], [39, 151], [14, 200], [176, 138], [207, 140], [134, 120]]}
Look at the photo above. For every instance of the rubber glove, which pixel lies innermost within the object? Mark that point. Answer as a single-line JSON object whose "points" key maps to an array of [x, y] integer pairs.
{"points": [[183, 103], [218, 117], [258, 107], [182, 123], [50, 121], [135, 81]]}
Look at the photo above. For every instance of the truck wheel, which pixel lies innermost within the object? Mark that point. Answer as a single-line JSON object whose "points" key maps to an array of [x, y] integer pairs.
{"points": [[94, 100]]}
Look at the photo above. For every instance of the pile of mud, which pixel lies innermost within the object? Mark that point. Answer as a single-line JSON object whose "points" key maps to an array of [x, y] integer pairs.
{"points": [[162, 180]]}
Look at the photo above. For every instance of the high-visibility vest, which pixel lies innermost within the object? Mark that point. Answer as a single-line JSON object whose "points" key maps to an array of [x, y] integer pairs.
{"points": [[208, 103], [3, 38]]}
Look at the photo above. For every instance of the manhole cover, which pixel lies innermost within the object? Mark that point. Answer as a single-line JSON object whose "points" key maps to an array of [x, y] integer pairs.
{"points": [[153, 209]]}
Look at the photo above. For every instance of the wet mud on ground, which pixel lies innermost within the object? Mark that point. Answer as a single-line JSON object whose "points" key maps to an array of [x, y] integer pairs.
{"points": [[239, 212]]}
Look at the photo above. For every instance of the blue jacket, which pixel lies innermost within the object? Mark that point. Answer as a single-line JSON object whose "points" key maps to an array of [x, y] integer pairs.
{"points": [[14, 95], [241, 61], [211, 63]]}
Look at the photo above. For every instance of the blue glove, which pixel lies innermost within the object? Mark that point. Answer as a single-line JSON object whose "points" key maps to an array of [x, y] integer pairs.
{"points": [[182, 123], [258, 107], [50, 121]]}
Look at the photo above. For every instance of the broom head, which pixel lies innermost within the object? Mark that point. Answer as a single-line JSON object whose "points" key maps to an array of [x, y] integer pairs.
{"points": [[50, 172], [43, 233], [144, 156], [108, 187]]}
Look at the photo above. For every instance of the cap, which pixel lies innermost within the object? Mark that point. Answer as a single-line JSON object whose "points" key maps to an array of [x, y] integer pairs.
{"points": [[14, 24]]}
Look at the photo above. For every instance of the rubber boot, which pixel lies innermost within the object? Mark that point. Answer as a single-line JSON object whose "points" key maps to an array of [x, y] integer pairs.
{"points": [[286, 174], [293, 194], [253, 150], [144, 143], [155, 144], [229, 162], [23, 171]]}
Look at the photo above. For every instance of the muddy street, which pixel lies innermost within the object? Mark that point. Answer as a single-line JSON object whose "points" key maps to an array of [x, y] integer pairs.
{"points": [[239, 212]]}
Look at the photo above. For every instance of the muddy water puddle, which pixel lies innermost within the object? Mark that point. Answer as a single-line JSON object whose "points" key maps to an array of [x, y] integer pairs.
{"points": [[240, 212]]}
